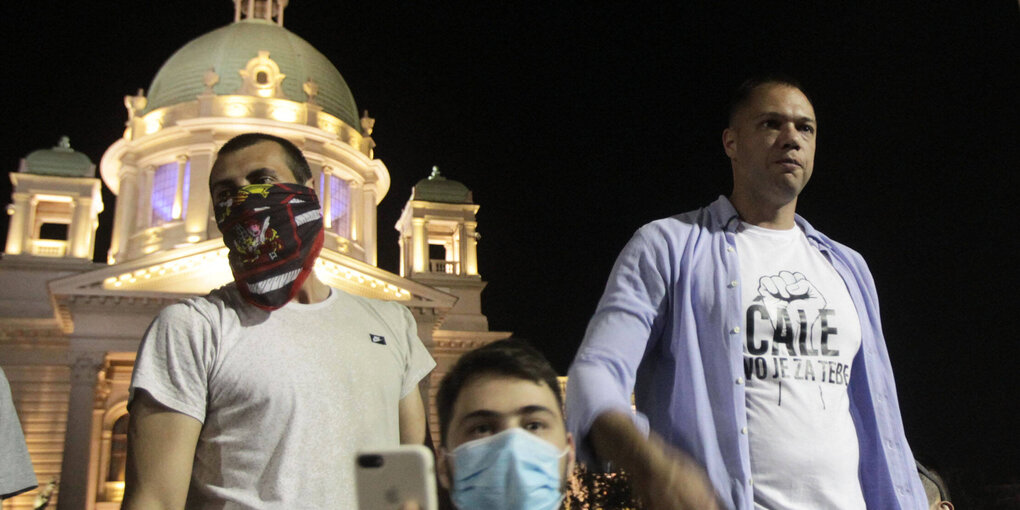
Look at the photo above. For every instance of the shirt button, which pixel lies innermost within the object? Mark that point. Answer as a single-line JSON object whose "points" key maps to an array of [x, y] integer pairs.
{"points": [[740, 380], [729, 249], [736, 329], [743, 431], [750, 481], [733, 284]]}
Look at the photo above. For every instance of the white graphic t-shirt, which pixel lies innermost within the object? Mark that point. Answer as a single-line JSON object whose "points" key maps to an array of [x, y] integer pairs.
{"points": [[801, 335]]}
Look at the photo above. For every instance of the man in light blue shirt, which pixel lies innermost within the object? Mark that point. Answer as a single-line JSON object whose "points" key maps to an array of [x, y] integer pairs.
{"points": [[757, 384]]}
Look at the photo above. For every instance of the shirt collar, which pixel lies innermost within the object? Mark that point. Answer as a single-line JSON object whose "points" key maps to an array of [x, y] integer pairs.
{"points": [[725, 216]]}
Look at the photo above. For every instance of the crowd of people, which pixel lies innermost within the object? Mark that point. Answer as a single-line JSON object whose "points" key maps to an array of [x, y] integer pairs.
{"points": [[750, 342]]}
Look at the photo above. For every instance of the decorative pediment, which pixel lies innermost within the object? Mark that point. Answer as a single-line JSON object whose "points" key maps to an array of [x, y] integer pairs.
{"points": [[161, 278]]}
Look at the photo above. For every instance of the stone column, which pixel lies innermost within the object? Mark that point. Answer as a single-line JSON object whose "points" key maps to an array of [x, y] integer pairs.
{"points": [[368, 220], [75, 490], [420, 246], [79, 235], [470, 261], [124, 214], [354, 210], [196, 218], [19, 228]]}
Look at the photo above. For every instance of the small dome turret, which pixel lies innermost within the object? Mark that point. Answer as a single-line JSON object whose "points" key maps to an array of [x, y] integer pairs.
{"points": [[436, 188], [61, 160]]}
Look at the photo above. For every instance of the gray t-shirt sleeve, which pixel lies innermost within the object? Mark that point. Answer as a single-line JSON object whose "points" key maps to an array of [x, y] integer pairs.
{"points": [[174, 359], [16, 474], [419, 361]]}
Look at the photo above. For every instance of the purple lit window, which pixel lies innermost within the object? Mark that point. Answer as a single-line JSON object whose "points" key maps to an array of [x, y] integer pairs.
{"points": [[164, 192], [186, 190], [339, 203], [164, 188]]}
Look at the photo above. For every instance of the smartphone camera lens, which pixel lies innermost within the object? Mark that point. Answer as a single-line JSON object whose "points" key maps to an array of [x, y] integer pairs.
{"points": [[370, 461]]}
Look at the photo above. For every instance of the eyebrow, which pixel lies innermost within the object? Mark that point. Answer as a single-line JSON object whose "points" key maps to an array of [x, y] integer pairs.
{"points": [[257, 172], [777, 114], [488, 413]]}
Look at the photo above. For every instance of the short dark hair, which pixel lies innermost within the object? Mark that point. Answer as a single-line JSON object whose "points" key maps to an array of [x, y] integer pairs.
{"points": [[935, 488], [741, 95], [512, 357], [296, 161]]}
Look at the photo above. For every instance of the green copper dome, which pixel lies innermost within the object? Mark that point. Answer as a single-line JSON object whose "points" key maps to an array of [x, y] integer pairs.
{"points": [[227, 50], [436, 188], [61, 160]]}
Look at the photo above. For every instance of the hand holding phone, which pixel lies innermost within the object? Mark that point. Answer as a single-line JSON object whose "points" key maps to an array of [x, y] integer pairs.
{"points": [[392, 478]]}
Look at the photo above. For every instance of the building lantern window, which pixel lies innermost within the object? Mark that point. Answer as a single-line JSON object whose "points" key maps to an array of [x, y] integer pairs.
{"points": [[170, 184], [336, 206]]}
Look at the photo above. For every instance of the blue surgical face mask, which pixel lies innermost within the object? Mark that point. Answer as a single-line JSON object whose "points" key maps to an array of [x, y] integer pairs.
{"points": [[512, 470]]}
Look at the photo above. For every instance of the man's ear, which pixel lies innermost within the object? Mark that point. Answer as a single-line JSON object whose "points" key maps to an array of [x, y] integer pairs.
{"points": [[945, 505], [571, 453], [729, 142], [443, 468]]}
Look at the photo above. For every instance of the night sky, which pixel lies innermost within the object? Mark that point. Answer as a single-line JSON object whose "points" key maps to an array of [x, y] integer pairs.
{"points": [[576, 123]]}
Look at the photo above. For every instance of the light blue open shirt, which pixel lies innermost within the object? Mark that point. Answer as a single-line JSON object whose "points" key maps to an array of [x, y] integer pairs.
{"points": [[668, 329]]}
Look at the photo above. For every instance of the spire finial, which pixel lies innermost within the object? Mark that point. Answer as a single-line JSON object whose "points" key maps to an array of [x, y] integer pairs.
{"points": [[268, 10]]}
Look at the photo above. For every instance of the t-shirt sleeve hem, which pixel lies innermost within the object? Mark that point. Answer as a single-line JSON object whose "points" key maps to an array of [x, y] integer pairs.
{"points": [[7, 495], [168, 400], [413, 378]]}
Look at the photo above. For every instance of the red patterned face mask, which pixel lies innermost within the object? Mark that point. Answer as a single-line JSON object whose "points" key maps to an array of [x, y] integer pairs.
{"points": [[274, 234]]}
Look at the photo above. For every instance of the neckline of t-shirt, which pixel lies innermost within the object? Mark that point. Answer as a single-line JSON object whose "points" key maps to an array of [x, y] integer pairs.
{"points": [[771, 233], [297, 305]]}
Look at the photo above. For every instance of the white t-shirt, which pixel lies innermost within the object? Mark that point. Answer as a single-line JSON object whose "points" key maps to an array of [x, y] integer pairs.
{"points": [[801, 335], [286, 397]]}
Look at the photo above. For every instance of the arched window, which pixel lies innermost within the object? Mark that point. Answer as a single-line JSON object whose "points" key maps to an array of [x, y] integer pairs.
{"points": [[118, 450]]}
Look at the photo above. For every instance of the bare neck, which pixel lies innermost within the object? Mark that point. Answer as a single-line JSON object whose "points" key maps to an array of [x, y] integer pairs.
{"points": [[761, 213], [312, 291]]}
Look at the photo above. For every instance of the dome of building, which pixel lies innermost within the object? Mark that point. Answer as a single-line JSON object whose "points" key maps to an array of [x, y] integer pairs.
{"points": [[228, 49], [61, 160], [436, 188]]}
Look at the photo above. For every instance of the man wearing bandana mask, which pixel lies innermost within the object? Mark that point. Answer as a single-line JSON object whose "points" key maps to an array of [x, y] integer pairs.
{"points": [[504, 440], [258, 394]]}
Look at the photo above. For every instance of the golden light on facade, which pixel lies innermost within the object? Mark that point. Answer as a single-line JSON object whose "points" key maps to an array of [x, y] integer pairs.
{"points": [[42, 197], [210, 266], [324, 268], [330, 124], [153, 122], [284, 114], [236, 109]]}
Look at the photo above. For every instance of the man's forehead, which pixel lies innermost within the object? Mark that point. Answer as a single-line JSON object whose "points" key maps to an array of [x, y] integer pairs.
{"points": [[499, 394], [265, 154], [780, 99]]}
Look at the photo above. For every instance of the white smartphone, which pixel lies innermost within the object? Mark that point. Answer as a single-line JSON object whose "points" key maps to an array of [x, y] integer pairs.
{"points": [[389, 478]]}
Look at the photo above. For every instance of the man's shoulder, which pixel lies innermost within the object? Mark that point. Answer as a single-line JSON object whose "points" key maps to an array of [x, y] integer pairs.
{"points": [[827, 242], [387, 309], [210, 305], [710, 218]]}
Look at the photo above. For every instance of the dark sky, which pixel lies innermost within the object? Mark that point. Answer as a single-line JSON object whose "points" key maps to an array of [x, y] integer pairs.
{"points": [[576, 122]]}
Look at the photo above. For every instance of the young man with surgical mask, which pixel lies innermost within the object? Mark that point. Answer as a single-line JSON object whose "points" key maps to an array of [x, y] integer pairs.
{"points": [[504, 443], [258, 394]]}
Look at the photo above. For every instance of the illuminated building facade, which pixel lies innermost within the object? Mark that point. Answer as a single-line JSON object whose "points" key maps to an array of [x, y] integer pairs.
{"points": [[69, 327]]}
